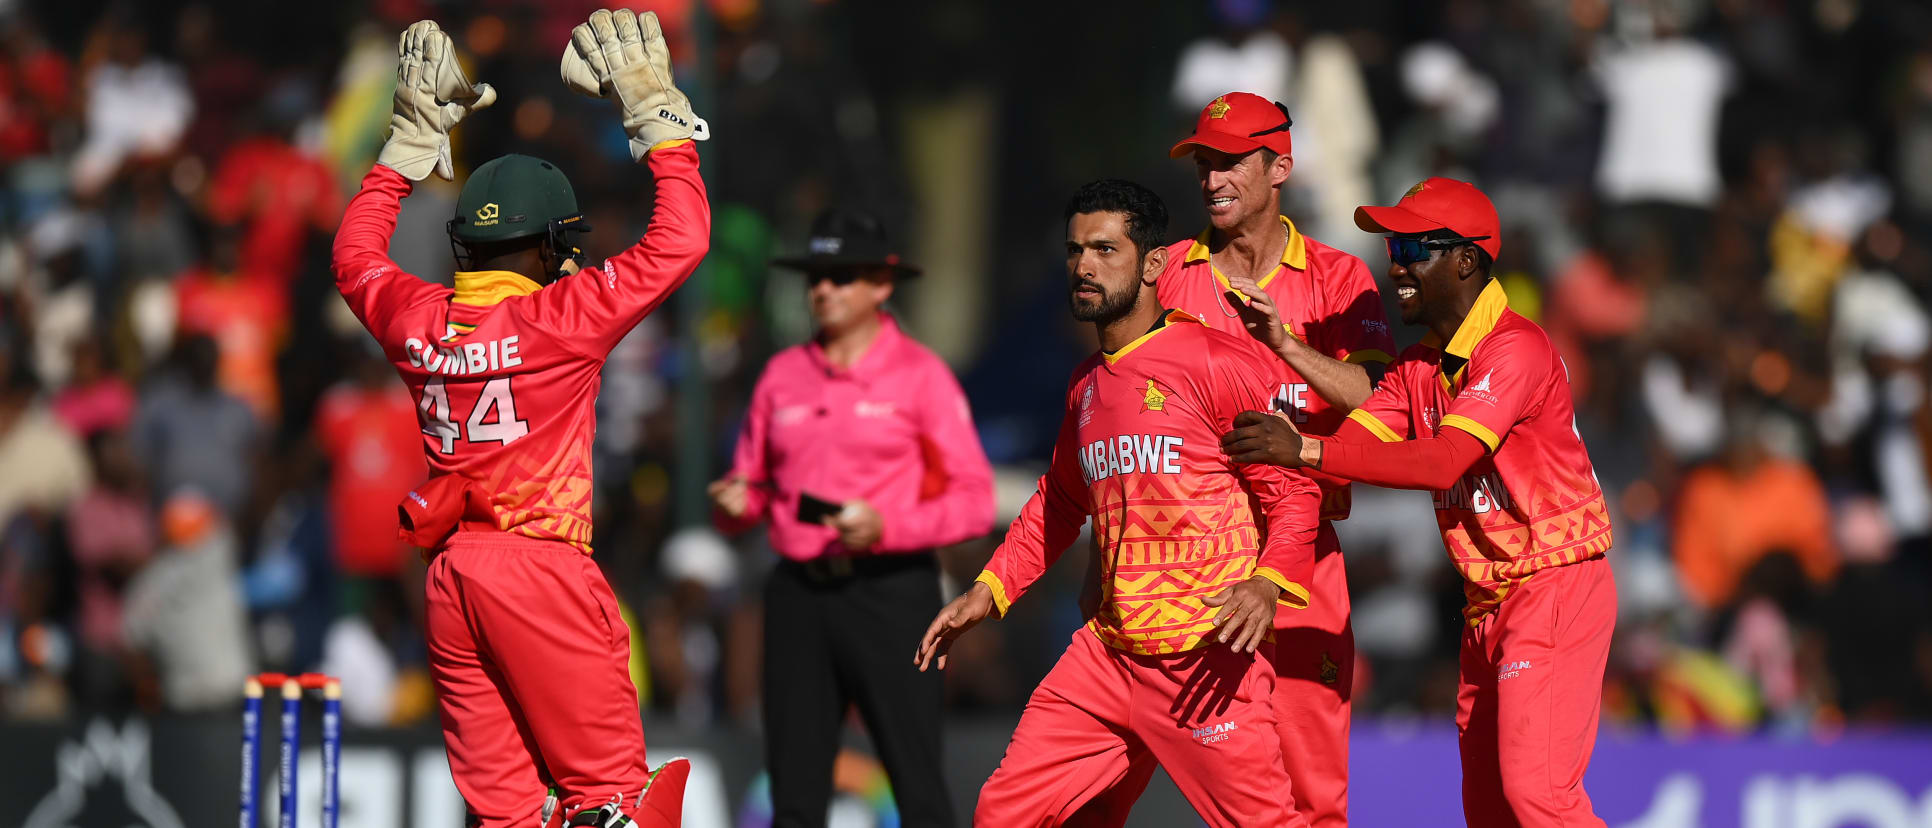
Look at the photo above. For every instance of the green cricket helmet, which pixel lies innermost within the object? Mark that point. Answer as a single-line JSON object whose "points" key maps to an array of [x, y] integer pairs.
{"points": [[514, 197]]}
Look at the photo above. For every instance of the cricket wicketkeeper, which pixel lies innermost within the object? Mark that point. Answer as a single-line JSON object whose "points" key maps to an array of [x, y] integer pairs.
{"points": [[530, 658]]}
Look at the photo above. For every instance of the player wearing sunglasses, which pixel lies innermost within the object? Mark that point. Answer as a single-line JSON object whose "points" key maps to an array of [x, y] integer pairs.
{"points": [[1479, 413]]}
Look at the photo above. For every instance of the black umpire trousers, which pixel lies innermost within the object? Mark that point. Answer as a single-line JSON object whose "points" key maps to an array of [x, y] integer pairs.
{"points": [[843, 633]]}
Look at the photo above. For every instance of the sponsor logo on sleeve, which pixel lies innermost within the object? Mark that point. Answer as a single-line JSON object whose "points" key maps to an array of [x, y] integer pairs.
{"points": [[1479, 390], [368, 276]]}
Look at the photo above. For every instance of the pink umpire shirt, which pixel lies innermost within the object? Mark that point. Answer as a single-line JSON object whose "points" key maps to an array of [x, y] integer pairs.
{"points": [[893, 430]]}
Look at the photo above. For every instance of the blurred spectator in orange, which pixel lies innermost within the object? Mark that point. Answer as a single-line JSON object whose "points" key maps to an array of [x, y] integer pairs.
{"points": [[1746, 505], [246, 312], [368, 429]]}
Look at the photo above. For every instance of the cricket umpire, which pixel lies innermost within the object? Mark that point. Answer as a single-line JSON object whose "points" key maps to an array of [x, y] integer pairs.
{"points": [[859, 452]]}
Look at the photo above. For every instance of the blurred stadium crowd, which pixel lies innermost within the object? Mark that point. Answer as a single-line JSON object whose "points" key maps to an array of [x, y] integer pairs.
{"points": [[1720, 209]]}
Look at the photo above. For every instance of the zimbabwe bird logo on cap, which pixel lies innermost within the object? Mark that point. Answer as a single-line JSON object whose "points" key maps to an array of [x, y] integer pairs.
{"points": [[1153, 400], [1419, 187], [1220, 107]]}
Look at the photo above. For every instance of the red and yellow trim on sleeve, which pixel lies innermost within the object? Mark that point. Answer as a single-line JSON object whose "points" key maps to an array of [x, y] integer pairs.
{"points": [[1375, 426], [1368, 355], [992, 582], [674, 142], [1294, 255], [1293, 595], [1481, 431]]}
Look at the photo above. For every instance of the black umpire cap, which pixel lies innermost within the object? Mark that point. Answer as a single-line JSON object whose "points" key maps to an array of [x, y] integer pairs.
{"points": [[843, 239]]}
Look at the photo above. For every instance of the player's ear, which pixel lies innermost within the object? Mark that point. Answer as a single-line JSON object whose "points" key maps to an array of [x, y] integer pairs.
{"points": [[1153, 264], [1278, 171]]}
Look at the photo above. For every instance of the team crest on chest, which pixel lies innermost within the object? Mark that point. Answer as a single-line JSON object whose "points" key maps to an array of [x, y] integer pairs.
{"points": [[1154, 399]]}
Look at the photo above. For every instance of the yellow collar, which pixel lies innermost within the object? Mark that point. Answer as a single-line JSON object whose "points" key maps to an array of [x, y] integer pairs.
{"points": [[488, 287], [1294, 254], [1171, 317], [1482, 317]]}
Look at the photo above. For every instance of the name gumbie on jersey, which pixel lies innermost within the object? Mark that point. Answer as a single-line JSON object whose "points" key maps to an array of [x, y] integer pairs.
{"points": [[1327, 299], [1139, 456], [1533, 501], [505, 372]]}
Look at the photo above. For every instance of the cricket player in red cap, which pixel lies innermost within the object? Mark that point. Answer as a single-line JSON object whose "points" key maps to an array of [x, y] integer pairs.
{"points": [[530, 658], [1479, 413], [1196, 554], [1315, 308]]}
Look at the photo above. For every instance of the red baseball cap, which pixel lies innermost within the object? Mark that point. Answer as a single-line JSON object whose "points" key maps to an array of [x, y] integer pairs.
{"points": [[1439, 204], [1239, 123]]}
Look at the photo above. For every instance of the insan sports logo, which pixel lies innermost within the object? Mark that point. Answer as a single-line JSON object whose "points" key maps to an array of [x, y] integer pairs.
{"points": [[1215, 733]]}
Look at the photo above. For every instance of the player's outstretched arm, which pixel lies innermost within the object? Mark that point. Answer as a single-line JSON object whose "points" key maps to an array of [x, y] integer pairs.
{"points": [[432, 96], [958, 616], [622, 56]]}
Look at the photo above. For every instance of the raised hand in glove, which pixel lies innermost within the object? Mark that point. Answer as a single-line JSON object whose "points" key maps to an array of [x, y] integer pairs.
{"points": [[432, 94], [622, 56]]}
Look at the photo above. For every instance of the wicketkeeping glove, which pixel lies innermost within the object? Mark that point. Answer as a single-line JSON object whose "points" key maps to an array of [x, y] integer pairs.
{"points": [[432, 94], [621, 56]]}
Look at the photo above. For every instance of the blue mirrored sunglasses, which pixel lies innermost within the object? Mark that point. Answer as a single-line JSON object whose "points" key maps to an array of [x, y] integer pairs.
{"points": [[1407, 250]]}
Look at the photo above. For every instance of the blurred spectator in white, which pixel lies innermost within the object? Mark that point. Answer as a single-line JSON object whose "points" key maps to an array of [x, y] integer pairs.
{"points": [[686, 641], [1336, 139], [58, 297], [1456, 103], [184, 611], [45, 466], [1682, 389], [1663, 94], [1878, 409], [1243, 55], [190, 434], [137, 104]]}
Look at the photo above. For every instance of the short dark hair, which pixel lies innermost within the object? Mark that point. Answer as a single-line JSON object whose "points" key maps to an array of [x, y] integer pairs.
{"points": [[1146, 213]]}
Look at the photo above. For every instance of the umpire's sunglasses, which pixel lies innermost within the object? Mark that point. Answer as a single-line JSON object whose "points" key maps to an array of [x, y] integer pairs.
{"points": [[838, 276], [1407, 250]]}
